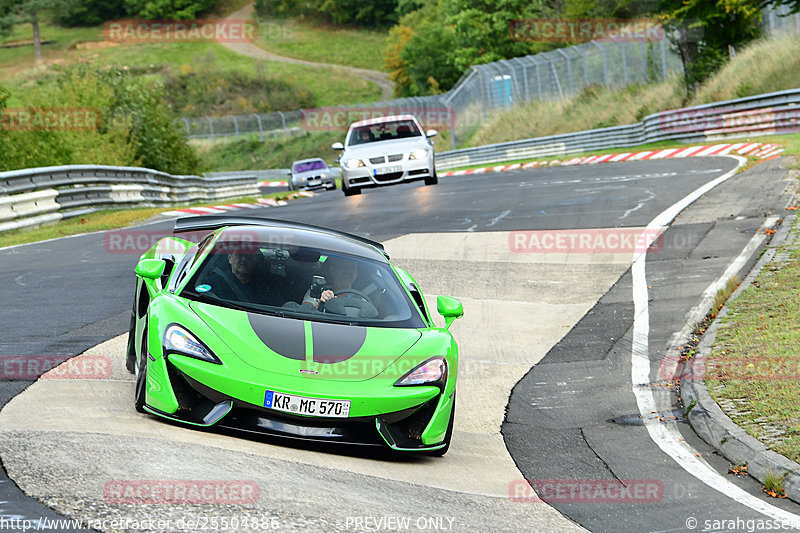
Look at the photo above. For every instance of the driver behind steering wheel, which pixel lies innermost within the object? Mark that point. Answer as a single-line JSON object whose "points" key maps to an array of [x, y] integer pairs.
{"points": [[342, 273]]}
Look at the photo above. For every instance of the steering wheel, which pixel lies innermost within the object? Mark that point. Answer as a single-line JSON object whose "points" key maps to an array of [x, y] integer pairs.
{"points": [[357, 307], [354, 291]]}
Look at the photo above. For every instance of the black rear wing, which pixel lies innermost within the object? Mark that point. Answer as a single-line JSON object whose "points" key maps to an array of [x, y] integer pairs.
{"points": [[213, 222]]}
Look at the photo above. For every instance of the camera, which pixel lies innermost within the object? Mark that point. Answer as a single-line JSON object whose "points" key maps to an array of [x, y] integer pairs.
{"points": [[317, 284]]}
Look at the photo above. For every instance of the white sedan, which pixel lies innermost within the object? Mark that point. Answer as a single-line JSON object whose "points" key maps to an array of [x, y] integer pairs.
{"points": [[386, 151]]}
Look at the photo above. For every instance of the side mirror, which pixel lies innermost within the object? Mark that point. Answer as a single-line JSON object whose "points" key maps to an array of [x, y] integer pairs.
{"points": [[337, 146], [431, 133], [449, 308], [150, 268]]}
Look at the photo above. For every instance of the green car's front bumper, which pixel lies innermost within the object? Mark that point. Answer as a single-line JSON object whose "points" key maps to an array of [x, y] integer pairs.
{"points": [[199, 393]]}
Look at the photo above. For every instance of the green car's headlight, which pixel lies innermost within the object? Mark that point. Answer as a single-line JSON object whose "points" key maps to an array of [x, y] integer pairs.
{"points": [[178, 340], [431, 372]]}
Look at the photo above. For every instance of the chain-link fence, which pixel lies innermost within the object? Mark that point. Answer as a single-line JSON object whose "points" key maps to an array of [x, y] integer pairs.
{"points": [[492, 87]]}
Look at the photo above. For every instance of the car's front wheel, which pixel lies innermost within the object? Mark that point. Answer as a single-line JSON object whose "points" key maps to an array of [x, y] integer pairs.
{"points": [[433, 179], [141, 377], [350, 191]]}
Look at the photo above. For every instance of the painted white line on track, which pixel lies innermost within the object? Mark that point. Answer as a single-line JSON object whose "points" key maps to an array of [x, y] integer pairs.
{"points": [[666, 434]]}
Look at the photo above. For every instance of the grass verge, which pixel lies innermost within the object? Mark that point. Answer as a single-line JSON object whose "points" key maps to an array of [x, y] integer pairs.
{"points": [[313, 40], [753, 371], [106, 220]]}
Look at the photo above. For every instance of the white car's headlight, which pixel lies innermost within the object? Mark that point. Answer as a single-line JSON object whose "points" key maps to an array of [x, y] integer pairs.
{"points": [[353, 163], [179, 340], [420, 153]]}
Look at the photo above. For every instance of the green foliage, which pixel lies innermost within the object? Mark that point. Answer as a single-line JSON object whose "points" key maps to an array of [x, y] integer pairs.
{"points": [[208, 90], [705, 30], [168, 9], [135, 125], [89, 12], [361, 12], [271, 153]]}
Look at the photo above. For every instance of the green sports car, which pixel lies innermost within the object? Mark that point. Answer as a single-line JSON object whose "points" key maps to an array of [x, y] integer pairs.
{"points": [[291, 330]]}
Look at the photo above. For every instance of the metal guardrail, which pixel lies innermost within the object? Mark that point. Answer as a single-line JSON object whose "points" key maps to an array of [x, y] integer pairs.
{"points": [[765, 114], [48, 194]]}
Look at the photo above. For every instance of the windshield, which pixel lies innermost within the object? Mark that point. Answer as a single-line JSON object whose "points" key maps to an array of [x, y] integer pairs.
{"points": [[302, 282], [383, 131], [309, 165]]}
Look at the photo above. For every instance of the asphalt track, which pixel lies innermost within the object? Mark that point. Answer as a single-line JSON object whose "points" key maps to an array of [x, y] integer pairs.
{"points": [[568, 418]]}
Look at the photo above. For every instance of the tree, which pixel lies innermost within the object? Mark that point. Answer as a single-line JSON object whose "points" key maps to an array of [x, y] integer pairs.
{"points": [[704, 30], [22, 11]]}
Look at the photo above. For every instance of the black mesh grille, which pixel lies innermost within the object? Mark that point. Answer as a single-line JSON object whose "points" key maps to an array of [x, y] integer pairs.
{"points": [[377, 160], [395, 157]]}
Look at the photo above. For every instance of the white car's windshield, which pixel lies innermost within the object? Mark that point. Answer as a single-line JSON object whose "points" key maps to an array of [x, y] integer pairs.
{"points": [[383, 131]]}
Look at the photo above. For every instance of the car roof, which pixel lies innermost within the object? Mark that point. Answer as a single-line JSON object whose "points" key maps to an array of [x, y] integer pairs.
{"points": [[381, 120], [286, 232]]}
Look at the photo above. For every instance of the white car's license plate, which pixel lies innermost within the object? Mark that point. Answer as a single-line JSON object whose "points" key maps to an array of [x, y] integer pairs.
{"points": [[301, 405], [386, 170]]}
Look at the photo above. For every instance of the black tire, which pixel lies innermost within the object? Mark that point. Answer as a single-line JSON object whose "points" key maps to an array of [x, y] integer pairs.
{"points": [[290, 186], [332, 187], [130, 356], [350, 191], [432, 180], [141, 377], [448, 436]]}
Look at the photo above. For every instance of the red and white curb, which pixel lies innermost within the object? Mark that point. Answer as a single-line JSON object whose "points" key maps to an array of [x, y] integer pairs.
{"points": [[273, 183], [761, 151], [220, 209]]}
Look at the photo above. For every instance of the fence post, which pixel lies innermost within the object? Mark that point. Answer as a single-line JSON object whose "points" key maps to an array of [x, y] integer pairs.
{"points": [[188, 129], [283, 121], [664, 58], [260, 129], [211, 127], [235, 126], [585, 66], [569, 72], [624, 62], [605, 64]]}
